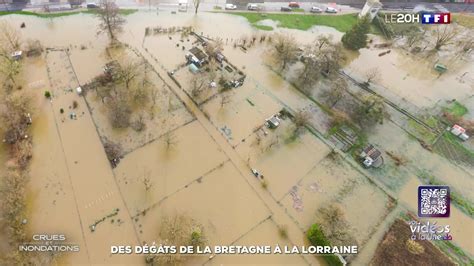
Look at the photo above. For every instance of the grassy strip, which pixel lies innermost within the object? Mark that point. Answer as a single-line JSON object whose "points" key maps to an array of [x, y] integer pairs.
{"points": [[341, 23], [263, 27], [317, 238], [456, 143], [457, 109], [458, 200], [420, 131], [124, 12]]}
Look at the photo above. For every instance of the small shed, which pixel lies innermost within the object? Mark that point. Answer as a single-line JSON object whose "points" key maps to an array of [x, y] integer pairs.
{"points": [[273, 121], [457, 130], [460, 132], [371, 156]]}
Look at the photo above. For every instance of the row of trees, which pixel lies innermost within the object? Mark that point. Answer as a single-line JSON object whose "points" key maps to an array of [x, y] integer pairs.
{"points": [[15, 110], [323, 59]]}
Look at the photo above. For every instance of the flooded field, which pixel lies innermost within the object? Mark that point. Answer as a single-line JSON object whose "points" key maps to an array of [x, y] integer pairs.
{"points": [[152, 114], [162, 164], [194, 156], [414, 79], [332, 180], [265, 233], [273, 156], [218, 190]]}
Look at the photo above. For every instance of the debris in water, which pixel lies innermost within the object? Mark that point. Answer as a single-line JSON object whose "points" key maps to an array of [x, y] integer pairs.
{"points": [[227, 131], [297, 201], [314, 187]]}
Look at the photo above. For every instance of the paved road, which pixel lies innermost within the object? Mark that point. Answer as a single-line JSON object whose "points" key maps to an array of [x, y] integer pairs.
{"points": [[273, 6]]}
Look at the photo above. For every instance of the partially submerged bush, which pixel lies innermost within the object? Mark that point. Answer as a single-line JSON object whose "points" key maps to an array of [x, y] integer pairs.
{"points": [[317, 238], [113, 151], [119, 113], [283, 231], [177, 230]]}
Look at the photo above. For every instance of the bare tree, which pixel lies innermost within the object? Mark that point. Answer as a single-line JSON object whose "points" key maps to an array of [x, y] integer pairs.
{"points": [[9, 38], [9, 42], [146, 181], [197, 85], [372, 110], [111, 21], [14, 115], [284, 50], [10, 68], [128, 72], [311, 71], [322, 57], [335, 92], [301, 120], [170, 140], [444, 35], [372, 74], [414, 35], [177, 230], [465, 45]]}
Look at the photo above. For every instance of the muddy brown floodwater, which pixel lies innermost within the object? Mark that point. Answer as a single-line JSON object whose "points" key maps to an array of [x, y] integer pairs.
{"points": [[205, 173]]}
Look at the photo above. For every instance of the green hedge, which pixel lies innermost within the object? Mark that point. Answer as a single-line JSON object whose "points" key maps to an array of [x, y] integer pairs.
{"points": [[317, 238]]}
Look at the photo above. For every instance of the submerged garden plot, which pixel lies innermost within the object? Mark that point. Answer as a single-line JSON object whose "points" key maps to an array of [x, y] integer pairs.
{"points": [[131, 104]]}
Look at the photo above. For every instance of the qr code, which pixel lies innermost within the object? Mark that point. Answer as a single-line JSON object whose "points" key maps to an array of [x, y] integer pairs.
{"points": [[433, 201]]}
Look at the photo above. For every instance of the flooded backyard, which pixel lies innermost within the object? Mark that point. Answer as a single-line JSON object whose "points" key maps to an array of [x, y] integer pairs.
{"points": [[196, 156]]}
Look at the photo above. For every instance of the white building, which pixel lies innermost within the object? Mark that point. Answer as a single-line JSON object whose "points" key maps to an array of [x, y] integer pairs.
{"points": [[370, 8]]}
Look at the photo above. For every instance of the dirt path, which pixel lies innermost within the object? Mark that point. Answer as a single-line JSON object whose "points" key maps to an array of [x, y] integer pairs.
{"points": [[295, 234], [96, 193]]}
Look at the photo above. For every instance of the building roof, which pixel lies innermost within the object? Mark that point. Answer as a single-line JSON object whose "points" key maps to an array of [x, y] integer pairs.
{"points": [[371, 152], [198, 53]]}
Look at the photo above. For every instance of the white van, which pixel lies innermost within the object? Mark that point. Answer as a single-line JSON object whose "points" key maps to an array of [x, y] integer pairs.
{"points": [[252, 7]]}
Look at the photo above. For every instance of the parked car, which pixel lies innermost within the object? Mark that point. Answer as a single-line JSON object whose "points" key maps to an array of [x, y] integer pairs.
{"points": [[92, 5], [331, 10], [294, 4], [230, 7], [315, 9], [285, 9], [252, 7]]}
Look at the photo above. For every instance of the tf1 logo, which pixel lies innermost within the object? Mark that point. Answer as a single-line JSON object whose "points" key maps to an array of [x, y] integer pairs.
{"points": [[423, 18]]}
